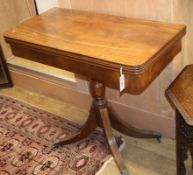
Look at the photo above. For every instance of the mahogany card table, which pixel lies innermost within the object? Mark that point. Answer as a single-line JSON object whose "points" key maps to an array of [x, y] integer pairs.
{"points": [[122, 53]]}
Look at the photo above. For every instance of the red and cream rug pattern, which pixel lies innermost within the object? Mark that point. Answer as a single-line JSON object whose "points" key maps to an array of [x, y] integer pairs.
{"points": [[26, 130]]}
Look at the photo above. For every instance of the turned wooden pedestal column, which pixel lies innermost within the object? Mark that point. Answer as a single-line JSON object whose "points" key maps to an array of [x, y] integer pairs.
{"points": [[102, 115], [99, 116]]}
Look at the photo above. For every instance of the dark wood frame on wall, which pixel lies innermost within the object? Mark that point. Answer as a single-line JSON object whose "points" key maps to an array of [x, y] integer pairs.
{"points": [[3, 64], [5, 70], [36, 7]]}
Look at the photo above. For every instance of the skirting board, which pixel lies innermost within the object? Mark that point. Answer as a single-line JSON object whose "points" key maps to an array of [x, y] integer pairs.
{"points": [[63, 91]]}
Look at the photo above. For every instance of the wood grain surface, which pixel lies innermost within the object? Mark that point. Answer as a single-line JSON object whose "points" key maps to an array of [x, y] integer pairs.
{"points": [[93, 44], [120, 40], [180, 94]]}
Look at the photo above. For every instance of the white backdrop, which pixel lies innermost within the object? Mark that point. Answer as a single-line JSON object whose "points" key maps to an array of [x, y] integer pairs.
{"points": [[44, 5]]}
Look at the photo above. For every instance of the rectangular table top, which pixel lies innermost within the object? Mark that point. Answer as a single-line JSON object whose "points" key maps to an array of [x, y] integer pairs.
{"points": [[120, 40], [98, 45]]}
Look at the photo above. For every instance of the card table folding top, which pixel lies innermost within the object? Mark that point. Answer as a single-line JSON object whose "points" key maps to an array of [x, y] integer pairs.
{"points": [[122, 53]]}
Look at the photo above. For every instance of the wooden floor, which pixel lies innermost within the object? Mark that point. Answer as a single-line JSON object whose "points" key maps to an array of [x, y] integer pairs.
{"points": [[142, 156]]}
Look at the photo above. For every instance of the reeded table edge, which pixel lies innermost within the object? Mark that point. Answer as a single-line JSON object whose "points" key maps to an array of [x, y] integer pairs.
{"points": [[138, 69], [175, 102]]}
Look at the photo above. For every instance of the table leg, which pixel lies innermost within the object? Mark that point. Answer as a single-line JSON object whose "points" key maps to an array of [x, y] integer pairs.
{"points": [[129, 130], [181, 145], [97, 90], [191, 151], [106, 125], [89, 126]]}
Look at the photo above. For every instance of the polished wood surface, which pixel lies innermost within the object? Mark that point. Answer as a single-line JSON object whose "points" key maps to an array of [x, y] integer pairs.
{"points": [[98, 42], [129, 42], [180, 93]]}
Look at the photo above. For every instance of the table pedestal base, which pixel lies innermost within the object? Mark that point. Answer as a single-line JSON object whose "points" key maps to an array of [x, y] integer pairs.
{"points": [[102, 115]]}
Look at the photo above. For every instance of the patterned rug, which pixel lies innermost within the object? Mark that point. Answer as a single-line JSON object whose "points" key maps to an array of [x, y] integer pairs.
{"points": [[24, 133]]}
